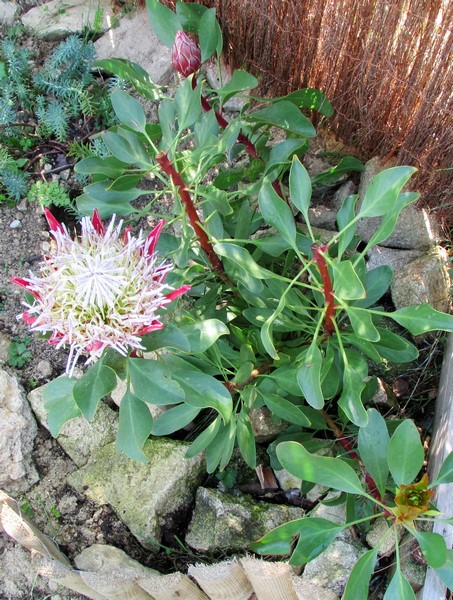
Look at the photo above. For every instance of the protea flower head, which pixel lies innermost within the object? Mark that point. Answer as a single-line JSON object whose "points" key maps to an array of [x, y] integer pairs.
{"points": [[412, 500], [185, 54], [100, 290]]}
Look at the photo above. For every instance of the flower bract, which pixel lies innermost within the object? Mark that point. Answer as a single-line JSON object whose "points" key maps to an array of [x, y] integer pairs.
{"points": [[100, 290], [185, 54]]}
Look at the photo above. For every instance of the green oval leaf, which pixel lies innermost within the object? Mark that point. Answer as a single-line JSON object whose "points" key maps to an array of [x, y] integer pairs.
{"points": [[433, 547], [285, 115], [246, 439], [384, 189], [309, 377], [445, 474], [174, 419], [128, 110], [239, 82], [358, 585], [164, 22], [405, 454], [59, 403], [373, 441], [331, 472], [399, 588], [135, 424], [422, 318], [285, 410], [300, 187], [152, 382], [96, 383], [277, 213], [346, 283]]}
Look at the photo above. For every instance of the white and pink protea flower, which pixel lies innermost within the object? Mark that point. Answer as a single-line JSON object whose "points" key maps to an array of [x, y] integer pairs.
{"points": [[100, 290]]}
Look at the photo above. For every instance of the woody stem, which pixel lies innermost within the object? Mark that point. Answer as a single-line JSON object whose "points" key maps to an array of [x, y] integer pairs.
{"points": [[319, 258]]}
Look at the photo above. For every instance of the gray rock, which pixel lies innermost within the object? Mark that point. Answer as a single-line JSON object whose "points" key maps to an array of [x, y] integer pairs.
{"points": [[415, 229], [55, 20], [393, 257], [323, 216], [8, 11], [265, 429], [286, 480], [17, 434], [221, 521], [347, 189], [331, 569], [4, 346], [424, 280], [379, 530], [143, 495], [134, 41], [79, 437], [336, 514], [16, 224]]}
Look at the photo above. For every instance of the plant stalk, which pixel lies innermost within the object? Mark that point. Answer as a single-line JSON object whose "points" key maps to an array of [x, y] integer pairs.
{"points": [[318, 255]]}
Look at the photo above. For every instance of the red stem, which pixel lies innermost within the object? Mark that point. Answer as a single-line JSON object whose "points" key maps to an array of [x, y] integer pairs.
{"points": [[168, 168], [319, 258]]}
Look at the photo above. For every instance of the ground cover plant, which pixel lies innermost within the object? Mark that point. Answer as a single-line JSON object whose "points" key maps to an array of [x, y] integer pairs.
{"points": [[270, 316]]}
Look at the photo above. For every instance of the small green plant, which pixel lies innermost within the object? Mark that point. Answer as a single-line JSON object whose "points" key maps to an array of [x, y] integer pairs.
{"points": [[389, 465], [18, 352], [50, 194]]}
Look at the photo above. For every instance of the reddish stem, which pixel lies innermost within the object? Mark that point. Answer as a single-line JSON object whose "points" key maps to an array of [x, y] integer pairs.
{"points": [[319, 258], [168, 168]]}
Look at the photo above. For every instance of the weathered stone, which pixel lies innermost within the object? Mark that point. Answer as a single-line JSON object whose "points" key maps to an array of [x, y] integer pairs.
{"points": [[135, 41], [424, 280], [393, 257], [8, 11], [4, 346], [331, 569], [143, 495], [78, 437], [336, 514], [415, 229], [223, 522], [306, 590], [413, 570], [287, 481], [17, 434], [55, 20], [322, 216], [265, 429], [379, 530], [347, 189]]}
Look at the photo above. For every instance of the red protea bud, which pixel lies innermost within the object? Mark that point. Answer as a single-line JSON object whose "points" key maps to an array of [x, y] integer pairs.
{"points": [[185, 54]]}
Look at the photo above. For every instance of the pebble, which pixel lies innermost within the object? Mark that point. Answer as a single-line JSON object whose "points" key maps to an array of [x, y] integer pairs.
{"points": [[22, 206], [15, 224], [44, 369]]}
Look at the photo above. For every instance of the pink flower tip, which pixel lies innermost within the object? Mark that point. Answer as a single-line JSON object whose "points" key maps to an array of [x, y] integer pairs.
{"points": [[179, 292], [52, 221], [97, 222], [185, 54]]}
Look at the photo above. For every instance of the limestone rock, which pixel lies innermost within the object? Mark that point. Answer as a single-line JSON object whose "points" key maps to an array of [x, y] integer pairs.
{"points": [[8, 11], [17, 434], [223, 522], [287, 481], [323, 216], [308, 591], [4, 345], [265, 429], [424, 280], [143, 495], [331, 569], [393, 257], [415, 229], [56, 20], [78, 437], [378, 530], [135, 41]]}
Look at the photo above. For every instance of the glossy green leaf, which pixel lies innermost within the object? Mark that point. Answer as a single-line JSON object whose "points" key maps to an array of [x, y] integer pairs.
{"points": [[246, 439], [125, 183], [346, 165], [203, 440], [399, 588], [187, 104], [285, 115], [203, 334], [167, 120], [312, 99], [189, 15], [350, 400], [285, 410], [164, 22], [219, 451], [366, 347], [384, 189], [239, 82], [405, 454], [315, 535], [210, 38], [153, 383], [110, 166], [362, 323], [300, 187], [358, 585], [331, 472], [59, 403], [242, 257], [174, 419], [168, 337], [94, 384], [101, 191], [390, 219], [422, 318], [373, 442], [133, 73], [395, 348], [277, 213], [345, 217], [445, 474], [282, 153], [309, 377], [376, 282], [346, 283], [107, 207], [280, 540], [135, 424], [128, 110], [433, 547], [446, 571], [127, 147]]}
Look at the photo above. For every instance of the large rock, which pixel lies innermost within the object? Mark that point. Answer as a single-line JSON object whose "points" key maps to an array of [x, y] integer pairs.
{"points": [[221, 521], [8, 11], [415, 228], [17, 434], [331, 569], [143, 495], [78, 437], [55, 20], [135, 41]]}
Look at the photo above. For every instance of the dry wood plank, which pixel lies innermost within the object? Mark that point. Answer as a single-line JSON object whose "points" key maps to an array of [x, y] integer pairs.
{"points": [[442, 445]]}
